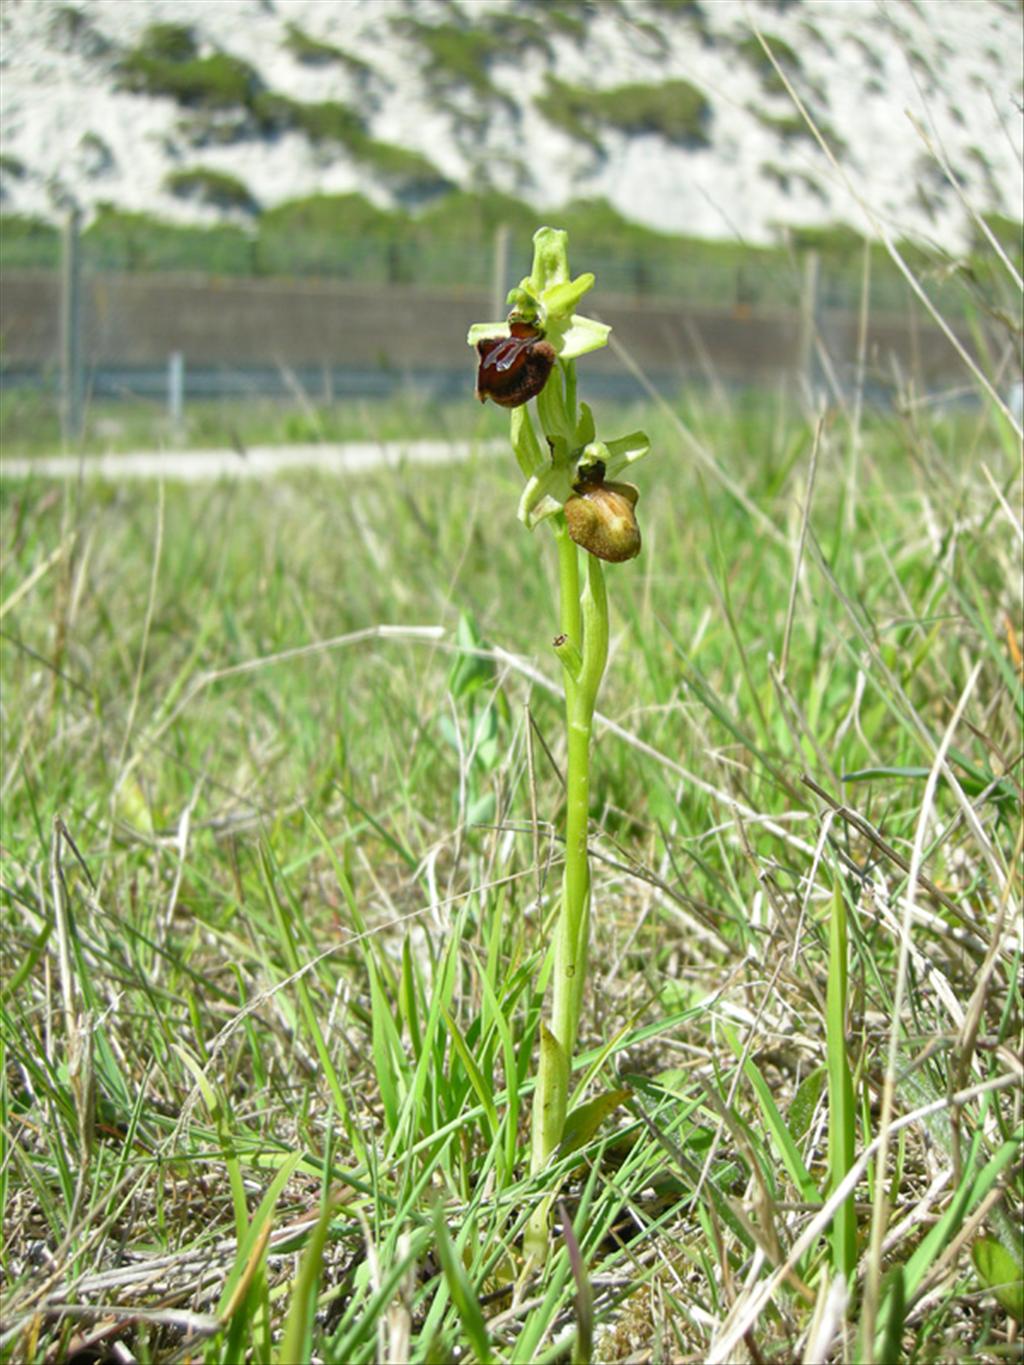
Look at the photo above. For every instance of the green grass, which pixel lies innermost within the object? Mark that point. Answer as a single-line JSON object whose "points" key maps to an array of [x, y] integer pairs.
{"points": [[273, 946], [29, 422]]}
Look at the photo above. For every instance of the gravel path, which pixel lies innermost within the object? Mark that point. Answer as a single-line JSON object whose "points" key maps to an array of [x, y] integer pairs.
{"points": [[257, 462]]}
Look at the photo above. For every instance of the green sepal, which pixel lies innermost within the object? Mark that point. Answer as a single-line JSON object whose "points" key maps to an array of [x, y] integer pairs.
{"points": [[524, 441], [483, 331], [585, 429], [550, 260]]}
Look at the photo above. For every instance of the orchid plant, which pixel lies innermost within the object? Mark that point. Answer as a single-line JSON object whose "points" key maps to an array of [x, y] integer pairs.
{"points": [[527, 364]]}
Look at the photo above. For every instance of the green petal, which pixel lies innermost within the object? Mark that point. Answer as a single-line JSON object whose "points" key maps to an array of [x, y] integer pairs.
{"points": [[577, 336], [592, 453], [561, 299], [626, 451], [523, 300]]}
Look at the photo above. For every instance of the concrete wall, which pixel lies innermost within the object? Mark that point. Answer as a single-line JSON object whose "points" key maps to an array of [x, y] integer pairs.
{"points": [[137, 320]]}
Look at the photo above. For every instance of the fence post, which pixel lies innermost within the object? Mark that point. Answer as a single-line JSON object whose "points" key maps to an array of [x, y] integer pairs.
{"points": [[176, 393], [805, 368], [71, 329], [500, 278]]}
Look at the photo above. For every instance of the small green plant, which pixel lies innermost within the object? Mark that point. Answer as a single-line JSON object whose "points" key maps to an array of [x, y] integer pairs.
{"points": [[217, 81], [793, 126], [560, 20], [676, 110], [787, 178], [327, 121], [170, 42], [28, 243], [413, 176], [332, 121], [72, 30], [207, 186], [167, 61], [315, 52], [752, 52], [116, 240], [455, 56], [12, 166], [570, 486]]}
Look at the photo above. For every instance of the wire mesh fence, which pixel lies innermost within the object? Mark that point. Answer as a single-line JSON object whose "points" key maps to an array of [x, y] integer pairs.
{"points": [[195, 313], [722, 275]]}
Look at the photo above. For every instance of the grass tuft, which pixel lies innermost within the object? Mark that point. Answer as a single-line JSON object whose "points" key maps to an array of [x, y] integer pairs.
{"points": [[305, 989]]}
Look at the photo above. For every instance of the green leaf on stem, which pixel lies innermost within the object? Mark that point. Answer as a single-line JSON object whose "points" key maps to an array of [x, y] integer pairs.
{"points": [[1001, 1274], [553, 1087], [585, 1119]]}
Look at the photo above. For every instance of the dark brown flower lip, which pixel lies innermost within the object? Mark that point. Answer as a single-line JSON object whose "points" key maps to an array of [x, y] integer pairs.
{"points": [[513, 369]]}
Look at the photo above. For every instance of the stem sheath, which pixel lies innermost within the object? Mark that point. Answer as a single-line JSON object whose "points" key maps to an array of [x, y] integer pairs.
{"points": [[584, 621]]}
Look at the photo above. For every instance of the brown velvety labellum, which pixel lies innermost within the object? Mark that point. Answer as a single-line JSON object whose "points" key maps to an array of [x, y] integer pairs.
{"points": [[601, 519], [513, 369]]}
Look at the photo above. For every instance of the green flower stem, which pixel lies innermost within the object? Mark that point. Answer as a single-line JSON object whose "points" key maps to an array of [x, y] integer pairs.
{"points": [[574, 466], [584, 619], [568, 587], [574, 922]]}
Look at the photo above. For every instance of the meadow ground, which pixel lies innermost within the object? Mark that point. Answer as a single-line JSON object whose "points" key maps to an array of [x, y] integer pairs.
{"points": [[281, 812]]}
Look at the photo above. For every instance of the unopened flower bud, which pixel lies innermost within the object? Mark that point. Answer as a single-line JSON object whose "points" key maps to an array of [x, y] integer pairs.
{"points": [[513, 369], [601, 519]]}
